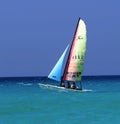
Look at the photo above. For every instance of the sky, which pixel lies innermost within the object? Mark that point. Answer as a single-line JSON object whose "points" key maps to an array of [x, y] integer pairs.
{"points": [[34, 33]]}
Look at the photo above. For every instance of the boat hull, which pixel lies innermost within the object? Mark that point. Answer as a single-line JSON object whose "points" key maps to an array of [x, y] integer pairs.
{"points": [[61, 88]]}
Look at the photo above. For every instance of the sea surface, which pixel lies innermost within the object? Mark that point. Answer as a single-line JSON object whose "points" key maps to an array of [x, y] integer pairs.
{"points": [[24, 101]]}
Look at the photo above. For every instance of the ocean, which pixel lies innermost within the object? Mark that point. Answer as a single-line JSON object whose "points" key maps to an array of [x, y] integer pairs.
{"points": [[24, 101]]}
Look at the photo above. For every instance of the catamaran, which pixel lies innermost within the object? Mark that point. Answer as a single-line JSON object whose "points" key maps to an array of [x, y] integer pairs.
{"points": [[70, 70]]}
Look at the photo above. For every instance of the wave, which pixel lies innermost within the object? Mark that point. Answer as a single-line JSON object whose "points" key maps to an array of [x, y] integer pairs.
{"points": [[28, 84]]}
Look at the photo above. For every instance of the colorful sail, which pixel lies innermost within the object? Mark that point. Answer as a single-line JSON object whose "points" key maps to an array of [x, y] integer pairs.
{"points": [[56, 72], [75, 62]]}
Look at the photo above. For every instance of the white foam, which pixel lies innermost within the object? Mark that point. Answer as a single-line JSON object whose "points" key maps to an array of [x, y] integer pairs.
{"points": [[87, 90], [24, 83]]}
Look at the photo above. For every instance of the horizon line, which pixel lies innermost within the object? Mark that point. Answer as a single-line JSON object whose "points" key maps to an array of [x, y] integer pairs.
{"points": [[46, 76]]}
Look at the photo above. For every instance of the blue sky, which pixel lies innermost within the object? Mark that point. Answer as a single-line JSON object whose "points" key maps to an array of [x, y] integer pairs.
{"points": [[34, 33]]}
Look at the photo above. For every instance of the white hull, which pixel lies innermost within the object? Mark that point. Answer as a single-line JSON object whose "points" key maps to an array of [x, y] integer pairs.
{"points": [[61, 88]]}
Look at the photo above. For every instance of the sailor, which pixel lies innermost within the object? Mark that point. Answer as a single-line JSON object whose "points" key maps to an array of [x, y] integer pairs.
{"points": [[74, 86], [68, 85], [62, 84]]}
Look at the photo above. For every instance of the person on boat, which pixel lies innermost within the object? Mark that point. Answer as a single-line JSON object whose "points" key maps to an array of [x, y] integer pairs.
{"points": [[62, 84], [74, 86], [68, 85]]}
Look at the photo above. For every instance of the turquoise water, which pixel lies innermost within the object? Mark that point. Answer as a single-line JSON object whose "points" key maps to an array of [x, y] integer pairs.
{"points": [[23, 101]]}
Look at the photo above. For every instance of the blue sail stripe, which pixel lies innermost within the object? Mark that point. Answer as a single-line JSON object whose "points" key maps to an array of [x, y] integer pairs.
{"points": [[56, 72]]}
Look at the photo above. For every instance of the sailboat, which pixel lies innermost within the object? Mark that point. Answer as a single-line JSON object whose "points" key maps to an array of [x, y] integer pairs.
{"points": [[70, 70]]}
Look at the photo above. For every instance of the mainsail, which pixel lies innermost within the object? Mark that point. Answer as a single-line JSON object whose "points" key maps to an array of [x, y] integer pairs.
{"points": [[56, 72], [74, 66]]}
